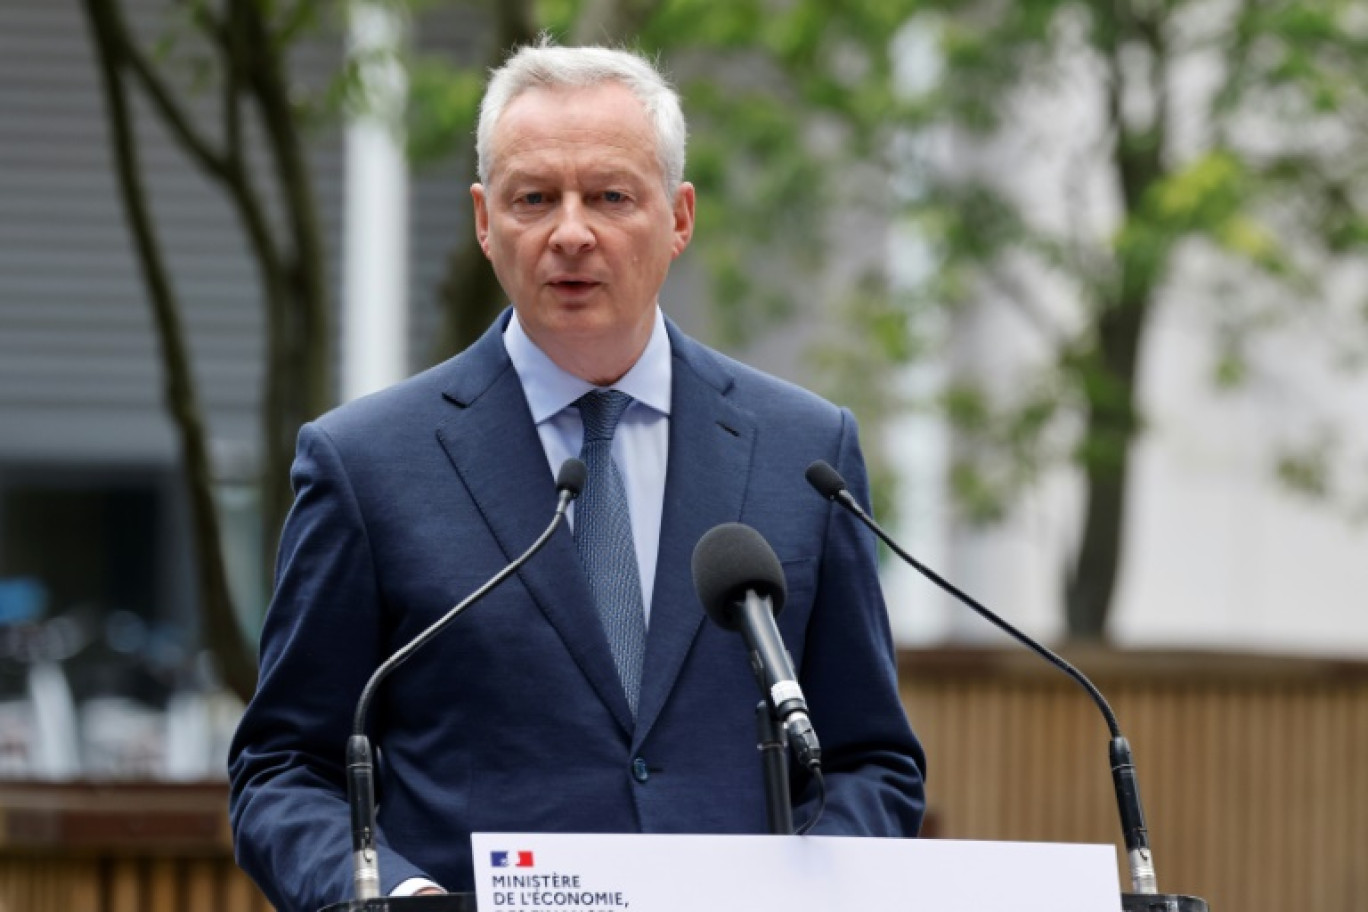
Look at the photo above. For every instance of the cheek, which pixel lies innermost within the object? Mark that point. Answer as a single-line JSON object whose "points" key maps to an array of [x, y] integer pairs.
{"points": [[506, 248]]}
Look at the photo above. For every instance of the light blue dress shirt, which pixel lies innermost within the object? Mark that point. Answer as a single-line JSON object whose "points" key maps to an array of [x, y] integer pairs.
{"points": [[640, 445]]}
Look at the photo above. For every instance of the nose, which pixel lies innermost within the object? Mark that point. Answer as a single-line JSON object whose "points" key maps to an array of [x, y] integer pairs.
{"points": [[572, 233]]}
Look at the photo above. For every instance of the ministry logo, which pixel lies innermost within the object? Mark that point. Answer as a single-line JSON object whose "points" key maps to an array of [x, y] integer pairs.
{"points": [[511, 859]]}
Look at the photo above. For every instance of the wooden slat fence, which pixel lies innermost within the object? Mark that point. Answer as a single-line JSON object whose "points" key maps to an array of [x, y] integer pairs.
{"points": [[1254, 769], [1254, 772], [119, 848]]}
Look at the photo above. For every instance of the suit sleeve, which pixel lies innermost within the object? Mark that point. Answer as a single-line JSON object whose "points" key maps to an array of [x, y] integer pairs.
{"points": [[873, 763], [320, 642]]}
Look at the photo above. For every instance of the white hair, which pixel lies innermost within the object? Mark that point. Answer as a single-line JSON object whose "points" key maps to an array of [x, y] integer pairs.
{"points": [[544, 65]]}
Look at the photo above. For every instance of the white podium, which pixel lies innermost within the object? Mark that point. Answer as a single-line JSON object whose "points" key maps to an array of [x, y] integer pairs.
{"points": [[545, 872]]}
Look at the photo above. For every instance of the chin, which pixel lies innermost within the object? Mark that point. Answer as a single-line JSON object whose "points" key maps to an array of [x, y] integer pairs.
{"points": [[591, 319]]}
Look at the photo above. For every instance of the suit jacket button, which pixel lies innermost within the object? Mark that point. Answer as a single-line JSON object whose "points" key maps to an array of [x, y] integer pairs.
{"points": [[639, 771]]}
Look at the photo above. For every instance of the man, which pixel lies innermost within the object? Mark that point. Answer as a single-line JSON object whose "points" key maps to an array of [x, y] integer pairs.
{"points": [[529, 713]]}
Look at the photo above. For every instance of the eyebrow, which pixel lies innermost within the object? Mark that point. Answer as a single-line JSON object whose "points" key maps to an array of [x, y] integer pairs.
{"points": [[590, 175]]}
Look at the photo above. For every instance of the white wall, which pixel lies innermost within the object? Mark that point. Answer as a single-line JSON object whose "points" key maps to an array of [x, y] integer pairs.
{"points": [[1217, 553]]}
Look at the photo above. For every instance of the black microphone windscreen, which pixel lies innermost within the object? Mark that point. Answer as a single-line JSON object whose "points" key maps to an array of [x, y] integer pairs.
{"points": [[730, 559], [825, 479], [571, 476]]}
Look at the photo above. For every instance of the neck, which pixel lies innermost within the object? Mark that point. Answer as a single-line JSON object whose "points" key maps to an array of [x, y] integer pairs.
{"points": [[600, 360]]}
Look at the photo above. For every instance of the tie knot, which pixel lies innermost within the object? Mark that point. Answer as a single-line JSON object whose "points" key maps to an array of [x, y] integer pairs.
{"points": [[600, 411]]}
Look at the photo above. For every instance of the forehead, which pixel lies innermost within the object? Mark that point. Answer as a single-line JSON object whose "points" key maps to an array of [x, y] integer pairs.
{"points": [[604, 124]]}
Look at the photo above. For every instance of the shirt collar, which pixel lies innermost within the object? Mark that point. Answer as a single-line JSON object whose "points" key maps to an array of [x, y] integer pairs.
{"points": [[550, 389]]}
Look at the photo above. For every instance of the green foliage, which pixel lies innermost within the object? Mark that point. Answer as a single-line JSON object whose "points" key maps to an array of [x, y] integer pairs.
{"points": [[761, 196], [299, 21], [782, 99], [1003, 442], [854, 364], [1231, 369], [972, 223], [1263, 176], [1306, 469], [796, 114], [192, 48], [1277, 189], [558, 16], [444, 101]]}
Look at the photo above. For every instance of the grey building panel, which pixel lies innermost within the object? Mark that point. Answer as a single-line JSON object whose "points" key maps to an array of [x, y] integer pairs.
{"points": [[80, 367], [440, 206]]}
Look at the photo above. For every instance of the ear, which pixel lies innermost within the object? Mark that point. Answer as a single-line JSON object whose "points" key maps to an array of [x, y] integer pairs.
{"points": [[683, 217], [477, 194]]}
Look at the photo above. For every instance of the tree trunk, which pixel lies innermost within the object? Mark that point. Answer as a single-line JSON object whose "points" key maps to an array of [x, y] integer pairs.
{"points": [[1111, 426], [221, 630], [299, 378], [1109, 373], [298, 375]]}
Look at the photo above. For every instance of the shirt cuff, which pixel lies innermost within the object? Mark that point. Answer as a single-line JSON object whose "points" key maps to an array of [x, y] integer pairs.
{"points": [[412, 886]]}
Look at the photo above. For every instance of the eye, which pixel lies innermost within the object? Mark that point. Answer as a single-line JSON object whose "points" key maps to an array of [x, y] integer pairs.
{"points": [[535, 198], [614, 196]]}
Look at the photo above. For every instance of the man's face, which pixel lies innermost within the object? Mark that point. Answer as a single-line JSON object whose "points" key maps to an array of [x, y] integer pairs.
{"points": [[578, 226]]}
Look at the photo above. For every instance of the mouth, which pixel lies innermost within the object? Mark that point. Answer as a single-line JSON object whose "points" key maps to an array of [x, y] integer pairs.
{"points": [[573, 286]]}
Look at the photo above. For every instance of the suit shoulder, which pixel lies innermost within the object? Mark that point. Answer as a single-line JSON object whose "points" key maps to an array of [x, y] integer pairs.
{"points": [[417, 403], [774, 397]]}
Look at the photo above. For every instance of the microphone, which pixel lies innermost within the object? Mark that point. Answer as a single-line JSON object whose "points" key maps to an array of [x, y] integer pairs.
{"points": [[1146, 896], [741, 584], [360, 767]]}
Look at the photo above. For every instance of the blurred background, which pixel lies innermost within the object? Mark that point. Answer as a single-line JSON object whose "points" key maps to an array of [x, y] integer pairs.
{"points": [[1093, 277]]}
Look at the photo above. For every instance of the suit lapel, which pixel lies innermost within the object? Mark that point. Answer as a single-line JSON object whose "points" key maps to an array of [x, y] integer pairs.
{"points": [[493, 445], [711, 442]]}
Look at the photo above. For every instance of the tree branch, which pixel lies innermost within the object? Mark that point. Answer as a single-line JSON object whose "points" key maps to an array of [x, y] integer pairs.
{"points": [[232, 47], [1019, 295], [177, 120], [222, 631], [299, 377]]}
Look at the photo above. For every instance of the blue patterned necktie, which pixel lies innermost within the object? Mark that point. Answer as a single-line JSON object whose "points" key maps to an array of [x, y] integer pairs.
{"points": [[603, 537]]}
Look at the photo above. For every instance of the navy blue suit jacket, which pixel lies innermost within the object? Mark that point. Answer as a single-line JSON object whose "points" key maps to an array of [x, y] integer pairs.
{"points": [[513, 719]]}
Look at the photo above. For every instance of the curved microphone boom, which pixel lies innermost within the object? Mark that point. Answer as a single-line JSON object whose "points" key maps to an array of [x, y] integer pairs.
{"points": [[360, 766], [832, 486]]}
